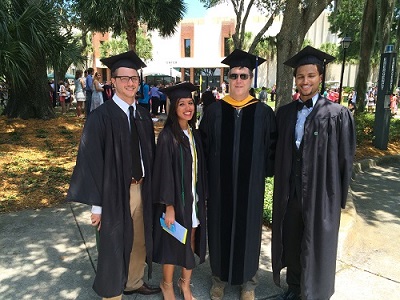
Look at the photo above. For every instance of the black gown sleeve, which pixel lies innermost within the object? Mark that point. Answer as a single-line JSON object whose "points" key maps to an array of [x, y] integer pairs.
{"points": [[87, 181], [346, 150]]}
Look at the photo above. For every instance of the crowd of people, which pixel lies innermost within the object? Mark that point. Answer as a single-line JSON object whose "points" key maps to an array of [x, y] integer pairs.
{"points": [[204, 185]]}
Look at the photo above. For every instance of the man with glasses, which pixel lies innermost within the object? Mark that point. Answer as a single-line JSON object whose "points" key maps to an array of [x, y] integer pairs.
{"points": [[239, 138], [113, 174]]}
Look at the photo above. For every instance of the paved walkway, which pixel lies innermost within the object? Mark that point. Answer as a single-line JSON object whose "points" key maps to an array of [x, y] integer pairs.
{"points": [[370, 267], [50, 253]]}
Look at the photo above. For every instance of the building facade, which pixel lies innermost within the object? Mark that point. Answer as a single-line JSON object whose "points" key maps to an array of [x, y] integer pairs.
{"points": [[199, 45]]}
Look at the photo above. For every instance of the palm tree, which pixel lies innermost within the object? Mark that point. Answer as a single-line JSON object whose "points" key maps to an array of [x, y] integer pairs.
{"points": [[119, 44], [29, 33], [124, 16]]}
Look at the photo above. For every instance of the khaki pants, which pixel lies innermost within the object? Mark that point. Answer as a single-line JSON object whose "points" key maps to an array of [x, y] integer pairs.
{"points": [[138, 254]]}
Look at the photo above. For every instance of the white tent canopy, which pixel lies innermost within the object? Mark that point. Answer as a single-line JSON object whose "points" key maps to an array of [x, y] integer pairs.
{"points": [[159, 69]]}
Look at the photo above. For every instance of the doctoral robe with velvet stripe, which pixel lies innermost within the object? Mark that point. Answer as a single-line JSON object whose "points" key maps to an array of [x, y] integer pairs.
{"points": [[239, 147], [328, 148], [102, 176]]}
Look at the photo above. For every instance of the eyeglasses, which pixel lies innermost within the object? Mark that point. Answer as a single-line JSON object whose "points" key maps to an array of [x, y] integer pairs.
{"points": [[242, 76], [125, 79]]}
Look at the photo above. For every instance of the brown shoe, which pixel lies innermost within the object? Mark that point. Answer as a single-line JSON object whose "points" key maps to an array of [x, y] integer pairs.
{"points": [[217, 292], [145, 289]]}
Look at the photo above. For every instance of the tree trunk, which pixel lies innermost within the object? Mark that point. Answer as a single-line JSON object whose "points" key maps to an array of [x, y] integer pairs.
{"points": [[367, 42], [386, 17], [32, 101], [131, 30], [290, 39], [263, 30]]}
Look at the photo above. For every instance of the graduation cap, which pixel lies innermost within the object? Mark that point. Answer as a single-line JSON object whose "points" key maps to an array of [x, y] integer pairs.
{"points": [[239, 58], [310, 56], [181, 90], [127, 59]]}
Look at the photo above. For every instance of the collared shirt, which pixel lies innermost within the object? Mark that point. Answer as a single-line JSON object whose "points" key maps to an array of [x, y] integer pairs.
{"points": [[89, 83], [301, 119], [125, 108], [154, 92]]}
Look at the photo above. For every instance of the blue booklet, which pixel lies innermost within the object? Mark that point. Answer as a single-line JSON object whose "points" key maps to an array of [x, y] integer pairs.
{"points": [[176, 230]]}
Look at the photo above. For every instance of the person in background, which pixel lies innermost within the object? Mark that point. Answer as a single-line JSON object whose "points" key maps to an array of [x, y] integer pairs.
{"points": [[313, 167], [223, 88], [89, 90], [155, 100], [163, 103], [239, 135], [113, 173], [79, 92], [263, 95], [69, 96], [107, 91], [273, 93], [179, 191], [97, 92], [62, 95], [296, 95], [144, 92], [252, 92], [207, 98]]}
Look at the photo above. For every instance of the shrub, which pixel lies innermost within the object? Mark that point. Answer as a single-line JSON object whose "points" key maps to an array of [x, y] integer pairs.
{"points": [[365, 128]]}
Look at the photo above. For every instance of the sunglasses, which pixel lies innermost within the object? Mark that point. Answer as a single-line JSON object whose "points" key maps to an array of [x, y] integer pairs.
{"points": [[242, 76]]}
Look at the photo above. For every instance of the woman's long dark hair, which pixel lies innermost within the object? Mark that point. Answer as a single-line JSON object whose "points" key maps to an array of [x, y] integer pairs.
{"points": [[172, 121]]}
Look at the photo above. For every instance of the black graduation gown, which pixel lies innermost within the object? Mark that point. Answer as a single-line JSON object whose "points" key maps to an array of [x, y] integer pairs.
{"points": [[102, 176], [327, 161], [239, 149], [167, 189]]}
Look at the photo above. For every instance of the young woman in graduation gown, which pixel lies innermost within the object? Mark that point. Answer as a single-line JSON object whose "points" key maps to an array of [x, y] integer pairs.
{"points": [[179, 190]]}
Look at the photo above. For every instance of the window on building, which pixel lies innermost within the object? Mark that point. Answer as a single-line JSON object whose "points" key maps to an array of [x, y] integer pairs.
{"points": [[187, 47], [227, 49]]}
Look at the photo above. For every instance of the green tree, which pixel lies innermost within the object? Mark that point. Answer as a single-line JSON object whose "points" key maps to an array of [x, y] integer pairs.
{"points": [[119, 44], [124, 16], [242, 10], [372, 24], [30, 40], [290, 40]]}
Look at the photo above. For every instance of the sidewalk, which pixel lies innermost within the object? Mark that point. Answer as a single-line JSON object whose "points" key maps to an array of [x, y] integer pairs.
{"points": [[50, 253]]}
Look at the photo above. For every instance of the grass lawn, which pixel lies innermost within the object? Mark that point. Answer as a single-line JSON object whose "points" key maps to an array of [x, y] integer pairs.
{"points": [[37, 158]]}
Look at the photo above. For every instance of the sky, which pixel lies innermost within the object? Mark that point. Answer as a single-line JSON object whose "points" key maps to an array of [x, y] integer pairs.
{"points": [[195, 9]]}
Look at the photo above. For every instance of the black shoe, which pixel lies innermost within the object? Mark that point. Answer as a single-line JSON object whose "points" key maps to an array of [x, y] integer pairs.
{"points": [[144, 290], [289, 295]]}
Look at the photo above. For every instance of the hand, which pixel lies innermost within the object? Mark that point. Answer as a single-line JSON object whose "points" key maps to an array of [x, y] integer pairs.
{"points": [[96, 220], [169, 216]]}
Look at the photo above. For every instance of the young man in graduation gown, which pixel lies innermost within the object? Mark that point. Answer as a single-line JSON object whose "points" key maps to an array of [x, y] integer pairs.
{"points": [[313, 166], [113, 174], [239, 138]]}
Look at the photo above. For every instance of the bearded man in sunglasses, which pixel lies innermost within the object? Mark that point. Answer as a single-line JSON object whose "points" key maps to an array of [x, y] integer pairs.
{"points": [[239, 135]]}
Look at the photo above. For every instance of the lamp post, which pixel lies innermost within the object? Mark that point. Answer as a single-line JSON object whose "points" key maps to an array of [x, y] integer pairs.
{"points": [[346, 41]]}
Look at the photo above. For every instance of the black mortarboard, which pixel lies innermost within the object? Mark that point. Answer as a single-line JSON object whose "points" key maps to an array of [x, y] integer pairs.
{"points": [[181, 90], [309, 56], [127, 59], [239, 58]]}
